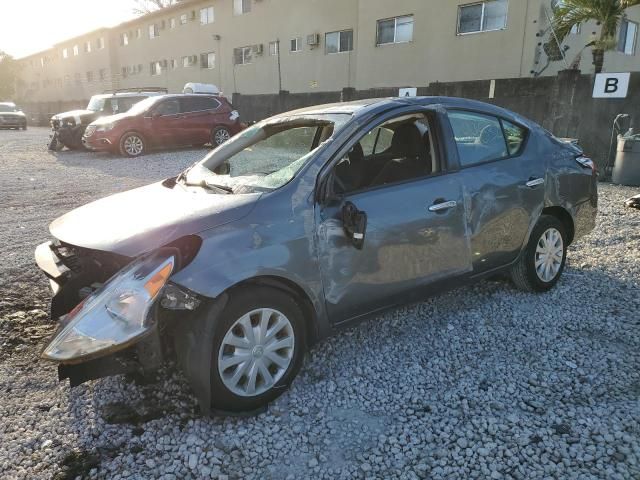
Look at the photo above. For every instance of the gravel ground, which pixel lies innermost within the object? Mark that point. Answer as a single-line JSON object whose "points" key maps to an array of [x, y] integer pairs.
{"points": [[483, 382]]}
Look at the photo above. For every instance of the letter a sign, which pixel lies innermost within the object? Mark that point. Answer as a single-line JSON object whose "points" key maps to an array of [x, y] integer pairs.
{"points": [[611, 85]]}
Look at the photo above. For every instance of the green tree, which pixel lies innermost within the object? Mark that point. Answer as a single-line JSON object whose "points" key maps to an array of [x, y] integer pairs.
{"points": [[8, 75], [606, 13]]}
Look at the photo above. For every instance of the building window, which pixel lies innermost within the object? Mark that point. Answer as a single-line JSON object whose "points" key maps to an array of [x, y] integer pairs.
{"points": [[65, 53], [124, 39], [156, 68], [183, 19], [274, 48], [87, 47], [89, 77], [242, 56], [336, 42], [172, 23], [174, 64], [153, 30], [208, 60], [138, 33], [100, 43], [627, 38], [67, 79], [102, 74], [296, 45], [482, 17], [241, 6], [76, 50], [395, 30], [78, 79], [206, 15], [189, 61]]}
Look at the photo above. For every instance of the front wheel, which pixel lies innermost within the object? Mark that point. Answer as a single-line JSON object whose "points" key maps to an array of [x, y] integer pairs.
{"points": [[258, 348], [542, 262], [132, 145], [219, 136]]}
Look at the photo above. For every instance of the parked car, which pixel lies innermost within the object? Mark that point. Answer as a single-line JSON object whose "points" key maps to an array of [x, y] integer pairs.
{"points": [[166, 121], [67, 128], [12, 117], [301, 225]]}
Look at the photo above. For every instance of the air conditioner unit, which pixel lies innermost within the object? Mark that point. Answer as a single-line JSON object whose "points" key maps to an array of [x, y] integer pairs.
{"points": [[193, 15], [258, 49], [163, 63], [163, 25], [313, 39]]}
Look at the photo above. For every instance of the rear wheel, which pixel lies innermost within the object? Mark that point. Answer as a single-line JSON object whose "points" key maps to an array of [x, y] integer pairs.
{"points": [[542, 262], [258, 348], [132, 144], [219, 136]]}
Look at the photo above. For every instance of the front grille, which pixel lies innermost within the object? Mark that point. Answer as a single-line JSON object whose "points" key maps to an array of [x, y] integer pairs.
{"points": [[90, 130]]}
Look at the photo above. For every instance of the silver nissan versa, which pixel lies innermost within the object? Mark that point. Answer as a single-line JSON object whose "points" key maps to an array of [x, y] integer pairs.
{"points": [[302, 224]]}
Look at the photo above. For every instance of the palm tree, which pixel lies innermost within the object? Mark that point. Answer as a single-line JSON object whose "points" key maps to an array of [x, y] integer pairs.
{"points": [[606, 13]]}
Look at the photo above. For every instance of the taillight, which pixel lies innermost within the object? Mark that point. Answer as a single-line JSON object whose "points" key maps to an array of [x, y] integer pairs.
{"points": [[586, 162]]}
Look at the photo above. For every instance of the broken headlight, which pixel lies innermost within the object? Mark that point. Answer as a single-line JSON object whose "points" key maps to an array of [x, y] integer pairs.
{"points": [[114, 316]]}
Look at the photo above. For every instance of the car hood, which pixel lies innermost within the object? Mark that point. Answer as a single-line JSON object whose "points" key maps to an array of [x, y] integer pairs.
{"points": [[111, 118], [141, 220], [75, 114]]}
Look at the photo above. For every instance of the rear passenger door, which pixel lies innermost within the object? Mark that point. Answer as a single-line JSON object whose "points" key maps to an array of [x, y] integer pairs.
{"points": [[199, 118], [503, 183], [167, 125]]}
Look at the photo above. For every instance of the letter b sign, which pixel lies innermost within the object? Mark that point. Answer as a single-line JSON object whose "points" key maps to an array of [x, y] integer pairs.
{"points": [[611, 85]]}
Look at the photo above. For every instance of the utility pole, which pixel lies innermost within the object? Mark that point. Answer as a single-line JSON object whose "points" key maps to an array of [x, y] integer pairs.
{"points": [[279, 67]]}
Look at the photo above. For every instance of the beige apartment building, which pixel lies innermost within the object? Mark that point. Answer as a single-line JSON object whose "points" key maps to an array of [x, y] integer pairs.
{"points": [[264, 46]]}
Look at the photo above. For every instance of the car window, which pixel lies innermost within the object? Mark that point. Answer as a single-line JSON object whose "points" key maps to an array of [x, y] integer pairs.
{"points": [[120, 105], [198, 104], [401, 149], [168, 107], [515, 136], [479, 137], [377, 140]]}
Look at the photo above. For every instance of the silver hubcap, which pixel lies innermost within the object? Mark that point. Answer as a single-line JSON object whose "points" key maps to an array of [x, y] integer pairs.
{"points": [[256, 352], [133, 145], [549, 252], [221, 136]]}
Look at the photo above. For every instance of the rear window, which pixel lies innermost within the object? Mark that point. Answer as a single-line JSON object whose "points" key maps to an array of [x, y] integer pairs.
{"points": [[197, 104]]}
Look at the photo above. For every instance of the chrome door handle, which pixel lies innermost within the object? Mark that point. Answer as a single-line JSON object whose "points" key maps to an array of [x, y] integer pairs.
{"points": [[534, 182], [438, 207]]}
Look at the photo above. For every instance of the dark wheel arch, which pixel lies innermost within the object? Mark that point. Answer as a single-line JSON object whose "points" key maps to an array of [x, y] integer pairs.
{"points": [[565, 217]]}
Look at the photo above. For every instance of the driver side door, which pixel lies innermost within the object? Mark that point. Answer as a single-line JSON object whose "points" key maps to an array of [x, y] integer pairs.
{"points": [[167, 123], [415, 229]]}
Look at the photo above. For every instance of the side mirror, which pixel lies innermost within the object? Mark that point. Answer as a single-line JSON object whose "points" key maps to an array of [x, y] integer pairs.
{"points": [[354, 222]]}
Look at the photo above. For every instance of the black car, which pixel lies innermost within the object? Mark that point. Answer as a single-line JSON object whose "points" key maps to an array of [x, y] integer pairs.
{"points": [[12, 117], [68, 127]]}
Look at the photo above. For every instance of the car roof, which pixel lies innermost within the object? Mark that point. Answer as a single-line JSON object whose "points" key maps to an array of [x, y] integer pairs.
{"points": [[127, 94], [10, 104], [365, 106]]}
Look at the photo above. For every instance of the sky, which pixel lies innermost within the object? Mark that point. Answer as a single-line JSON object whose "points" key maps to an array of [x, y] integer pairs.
{"points": [[28, 26]]}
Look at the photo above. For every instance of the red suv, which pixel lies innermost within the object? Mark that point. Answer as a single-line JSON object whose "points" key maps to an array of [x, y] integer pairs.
{"points": [[165, 121]]}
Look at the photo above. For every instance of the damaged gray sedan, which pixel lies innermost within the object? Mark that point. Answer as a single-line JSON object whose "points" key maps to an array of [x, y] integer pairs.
{"points": [[302, 224]]}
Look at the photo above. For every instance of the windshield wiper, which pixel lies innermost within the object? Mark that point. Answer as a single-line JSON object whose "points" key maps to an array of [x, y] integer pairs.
{"points": [[224, 188]]}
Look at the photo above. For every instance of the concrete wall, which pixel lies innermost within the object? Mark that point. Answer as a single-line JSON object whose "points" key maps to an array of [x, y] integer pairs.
{"points": [[561, 104]]}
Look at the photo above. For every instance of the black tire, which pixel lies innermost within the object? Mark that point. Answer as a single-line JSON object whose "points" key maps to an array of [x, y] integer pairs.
{"points": [[128, 151], [524, 273], [240, 303], [219, 135]]}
